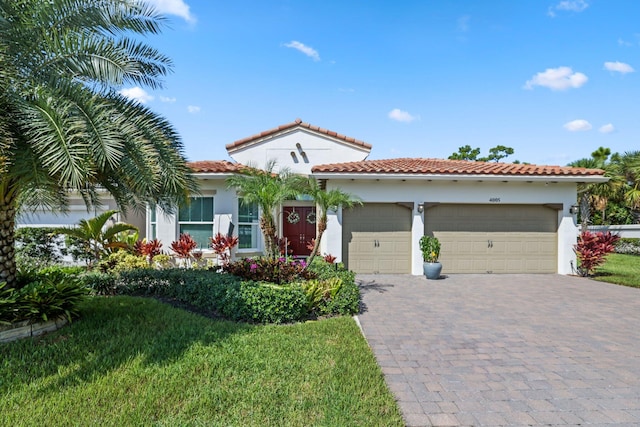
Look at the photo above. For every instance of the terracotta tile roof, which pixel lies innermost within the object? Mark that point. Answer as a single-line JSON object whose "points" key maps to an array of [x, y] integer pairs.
{"points": [[297, 123], [214, 166], [419, 166]]}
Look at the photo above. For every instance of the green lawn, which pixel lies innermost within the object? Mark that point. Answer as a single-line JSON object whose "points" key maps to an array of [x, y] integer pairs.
{"points": [[136, 361], [620, 269]]}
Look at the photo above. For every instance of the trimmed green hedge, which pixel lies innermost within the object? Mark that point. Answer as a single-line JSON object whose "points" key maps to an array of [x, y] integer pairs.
{"points": [[234, 298]]}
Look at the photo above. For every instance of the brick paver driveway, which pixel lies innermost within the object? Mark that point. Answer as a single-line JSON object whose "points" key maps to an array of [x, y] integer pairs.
{"points": [[506, 349]]}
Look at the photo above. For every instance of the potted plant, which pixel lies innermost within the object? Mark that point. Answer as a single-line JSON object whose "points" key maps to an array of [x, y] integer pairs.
{"points": [[430, 247]]}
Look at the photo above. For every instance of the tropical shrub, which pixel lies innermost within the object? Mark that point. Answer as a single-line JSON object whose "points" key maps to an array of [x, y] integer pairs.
{"points": [[148, 248], [320, 292], [51, 295], [184, 246], [273, 270], [222, 245], [346, 300], [97, 238], [592, 249]]}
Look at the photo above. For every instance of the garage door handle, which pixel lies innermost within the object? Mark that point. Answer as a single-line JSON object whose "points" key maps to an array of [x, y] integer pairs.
{"points": [[489, 243]]}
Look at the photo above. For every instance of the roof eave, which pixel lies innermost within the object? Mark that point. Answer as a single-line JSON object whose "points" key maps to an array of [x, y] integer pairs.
{"points": [[213, 175], [463, 177]]}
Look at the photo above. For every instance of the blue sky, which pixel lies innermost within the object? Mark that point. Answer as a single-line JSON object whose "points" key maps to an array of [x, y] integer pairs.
{"points": [[552, 79]]}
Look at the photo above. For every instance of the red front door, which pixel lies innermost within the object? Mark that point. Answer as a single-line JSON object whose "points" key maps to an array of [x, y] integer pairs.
{"points": [[299, 228]]}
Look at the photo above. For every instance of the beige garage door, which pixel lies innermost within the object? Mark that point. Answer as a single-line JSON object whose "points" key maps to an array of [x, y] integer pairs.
{"points": [[377, 238], [495, 238]]}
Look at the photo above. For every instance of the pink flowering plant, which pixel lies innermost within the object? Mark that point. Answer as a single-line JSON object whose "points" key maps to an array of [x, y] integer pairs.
{"points": [[274, 270]]}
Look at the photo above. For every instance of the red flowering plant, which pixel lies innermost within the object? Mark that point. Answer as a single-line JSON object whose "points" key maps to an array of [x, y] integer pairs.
{"points": [[279, 270], [592, 249], [147, 248], [329, 258], [222, 245], [184, 246]]}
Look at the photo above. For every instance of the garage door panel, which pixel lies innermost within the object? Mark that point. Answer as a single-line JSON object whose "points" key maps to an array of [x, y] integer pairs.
{"points": [[495, 238], [377, 238]]}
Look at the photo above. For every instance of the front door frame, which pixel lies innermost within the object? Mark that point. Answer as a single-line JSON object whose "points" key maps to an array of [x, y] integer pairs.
{"points": [[309, 233]]}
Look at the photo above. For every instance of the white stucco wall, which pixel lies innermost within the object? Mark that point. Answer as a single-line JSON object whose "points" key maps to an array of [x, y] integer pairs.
{"points": [[629, 231], [309, 149], [225, 208], [390, 191]]}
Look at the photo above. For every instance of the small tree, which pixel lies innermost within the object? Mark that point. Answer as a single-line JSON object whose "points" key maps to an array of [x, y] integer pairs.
{"points": [[268, 189], [326, 200], [592, 249]]}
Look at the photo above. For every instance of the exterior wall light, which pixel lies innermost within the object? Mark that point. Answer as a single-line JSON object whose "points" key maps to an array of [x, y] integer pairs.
{"points": [[420, 207], [574, 209]]}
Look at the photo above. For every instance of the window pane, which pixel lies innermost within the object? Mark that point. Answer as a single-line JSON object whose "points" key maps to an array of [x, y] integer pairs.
{"points": [[248, 212], [207, 209], [200, 209], [154, 233], [248, 236], [153, 215], [199, 232]]}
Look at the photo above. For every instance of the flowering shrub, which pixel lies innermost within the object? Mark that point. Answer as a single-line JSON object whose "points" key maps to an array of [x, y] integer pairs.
{"points": [[592, 249], [279, 270]]}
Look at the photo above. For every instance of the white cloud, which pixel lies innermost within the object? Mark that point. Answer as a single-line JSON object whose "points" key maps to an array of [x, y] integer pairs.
{"points": [[578, 126], [620, 67], [560, 78], [401, 116], [167, 99], [137, 94], [568, 5], [307, 50], [193, 109], [608, 128], [174, 7]]}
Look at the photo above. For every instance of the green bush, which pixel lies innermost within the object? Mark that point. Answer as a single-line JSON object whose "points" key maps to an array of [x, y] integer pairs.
{"points": [[628, 246], [261, 302], [225, 294], [99, 283], [38, 245], [347, 300], [51, 295], [122, 260], [263, 269]]}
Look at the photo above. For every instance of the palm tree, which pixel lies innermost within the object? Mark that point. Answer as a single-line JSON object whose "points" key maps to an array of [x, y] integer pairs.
{"points": [[64, 128], [627, 168], [97, 237], [326, 200], [597, 195], [268, 190]]}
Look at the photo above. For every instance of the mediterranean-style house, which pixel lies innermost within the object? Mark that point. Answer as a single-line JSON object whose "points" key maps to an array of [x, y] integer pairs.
{"points": [[489, 217]]}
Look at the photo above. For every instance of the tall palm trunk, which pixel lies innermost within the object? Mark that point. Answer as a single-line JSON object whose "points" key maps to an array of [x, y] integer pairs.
{"points": [[7, 237], [322, 227], [270, 236]]}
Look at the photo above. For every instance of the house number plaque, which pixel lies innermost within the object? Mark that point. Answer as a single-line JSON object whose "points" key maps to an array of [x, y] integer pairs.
{"points": [[494, 199]]}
